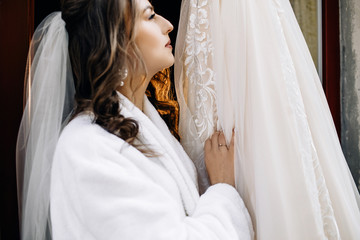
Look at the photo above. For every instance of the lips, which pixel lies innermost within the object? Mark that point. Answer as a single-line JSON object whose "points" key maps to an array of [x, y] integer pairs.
{"points": [[168, 44]]}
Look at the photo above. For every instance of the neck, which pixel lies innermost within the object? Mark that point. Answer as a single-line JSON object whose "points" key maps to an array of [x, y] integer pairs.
{"points": [[136, 92]]}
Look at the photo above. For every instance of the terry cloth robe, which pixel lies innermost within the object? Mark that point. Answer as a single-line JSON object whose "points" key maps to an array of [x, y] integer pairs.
{"points": [[103, 188]]}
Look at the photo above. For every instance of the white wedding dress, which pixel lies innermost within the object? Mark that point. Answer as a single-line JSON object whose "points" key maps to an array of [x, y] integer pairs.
{"points": [[244, 64]]}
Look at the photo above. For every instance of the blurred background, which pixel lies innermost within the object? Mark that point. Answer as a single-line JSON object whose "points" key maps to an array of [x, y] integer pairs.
{"points": [[331, 29]]}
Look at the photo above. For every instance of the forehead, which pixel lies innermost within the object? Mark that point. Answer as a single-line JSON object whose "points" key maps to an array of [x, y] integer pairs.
{"points": [[142, 5]]}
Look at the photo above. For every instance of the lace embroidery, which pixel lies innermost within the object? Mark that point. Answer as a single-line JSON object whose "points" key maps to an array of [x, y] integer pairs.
{"points": [[198, 65]]}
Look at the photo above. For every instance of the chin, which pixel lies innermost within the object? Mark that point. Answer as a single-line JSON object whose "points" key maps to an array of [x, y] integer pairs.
{"points": [[171, 61], [165, 62]]}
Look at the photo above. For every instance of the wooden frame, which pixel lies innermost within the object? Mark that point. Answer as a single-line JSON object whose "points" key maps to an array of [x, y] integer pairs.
{"points": [[331, 58]]}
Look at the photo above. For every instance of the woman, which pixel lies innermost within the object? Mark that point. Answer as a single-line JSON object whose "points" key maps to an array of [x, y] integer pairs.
{"points": [[116, 172], [245, 64]]}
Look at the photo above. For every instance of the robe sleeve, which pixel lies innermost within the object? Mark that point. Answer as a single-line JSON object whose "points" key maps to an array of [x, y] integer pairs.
{"points": [[100, 193]]}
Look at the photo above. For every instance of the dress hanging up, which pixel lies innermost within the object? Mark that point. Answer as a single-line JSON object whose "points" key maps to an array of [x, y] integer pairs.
{"points": [[244, 64]]}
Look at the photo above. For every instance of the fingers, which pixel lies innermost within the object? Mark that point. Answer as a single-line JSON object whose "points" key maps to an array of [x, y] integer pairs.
{"points": [[215, 140], [222, 141], [219, 159], [232, 138], [207, 146], [218, 140], [221, 138]]}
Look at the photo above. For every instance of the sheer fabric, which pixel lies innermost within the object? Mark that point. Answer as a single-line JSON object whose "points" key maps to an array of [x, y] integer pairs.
{"points": [[49, 94], [245, 65]]}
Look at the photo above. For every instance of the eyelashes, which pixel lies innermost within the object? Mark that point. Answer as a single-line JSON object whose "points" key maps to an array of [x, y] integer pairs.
{"points": [[152, 16]]}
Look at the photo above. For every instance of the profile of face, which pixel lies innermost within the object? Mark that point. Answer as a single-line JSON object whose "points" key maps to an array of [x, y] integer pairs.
{"points": [[152, 38]]}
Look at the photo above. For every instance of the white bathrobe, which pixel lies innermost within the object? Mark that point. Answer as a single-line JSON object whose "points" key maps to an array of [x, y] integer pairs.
{"points": [[103, 188]]}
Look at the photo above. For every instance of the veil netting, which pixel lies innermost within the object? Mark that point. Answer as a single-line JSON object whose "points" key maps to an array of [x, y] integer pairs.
{"points": [[49, 93], [244, 64]]}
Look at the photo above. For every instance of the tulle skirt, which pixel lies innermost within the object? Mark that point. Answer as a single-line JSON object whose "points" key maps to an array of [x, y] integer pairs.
{"points": [[244, 64]]}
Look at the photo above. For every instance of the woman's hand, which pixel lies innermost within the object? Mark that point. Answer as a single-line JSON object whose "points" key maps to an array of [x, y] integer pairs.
{"points": [[219, 159]]}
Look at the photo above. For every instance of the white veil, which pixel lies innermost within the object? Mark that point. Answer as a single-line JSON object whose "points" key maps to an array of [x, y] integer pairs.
{"points": [[49, 94], [245, 64]]}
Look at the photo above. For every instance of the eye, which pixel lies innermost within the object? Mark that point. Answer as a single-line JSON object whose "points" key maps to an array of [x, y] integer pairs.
{"points": [[152, 16]]}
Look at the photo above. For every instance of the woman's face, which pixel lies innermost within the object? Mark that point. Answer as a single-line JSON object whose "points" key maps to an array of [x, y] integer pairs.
{"points": [[152, 38]]}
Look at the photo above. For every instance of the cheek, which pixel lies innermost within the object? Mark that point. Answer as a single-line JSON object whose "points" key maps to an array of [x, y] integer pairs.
{"points": [[148, 49], [150, 42], [147, 44], [158, 57]]}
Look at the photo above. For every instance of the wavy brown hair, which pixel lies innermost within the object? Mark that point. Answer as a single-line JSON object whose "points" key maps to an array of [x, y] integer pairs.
{"points": [[101, 42], [162, 96]]}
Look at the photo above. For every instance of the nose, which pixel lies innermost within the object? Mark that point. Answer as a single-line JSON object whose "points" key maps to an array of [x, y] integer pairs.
{"points": [[170, 28], [167, 26]]}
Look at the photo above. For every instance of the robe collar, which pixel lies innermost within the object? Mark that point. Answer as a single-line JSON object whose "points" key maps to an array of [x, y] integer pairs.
{"points": [[152, 129]]}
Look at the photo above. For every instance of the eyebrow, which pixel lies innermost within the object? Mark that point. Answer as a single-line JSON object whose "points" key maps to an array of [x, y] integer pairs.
{"points": [[149, 7]]}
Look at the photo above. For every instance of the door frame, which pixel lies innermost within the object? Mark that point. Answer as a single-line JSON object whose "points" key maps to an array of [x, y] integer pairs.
{"points": [[331, 58]]}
